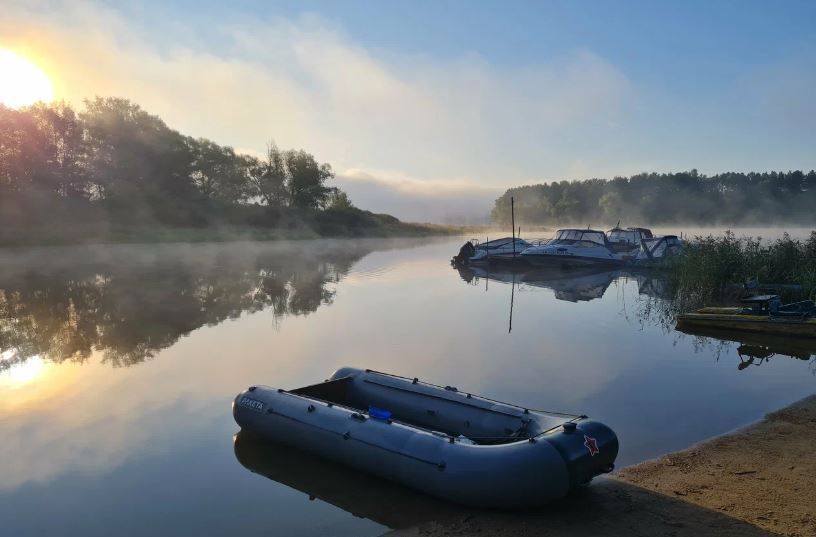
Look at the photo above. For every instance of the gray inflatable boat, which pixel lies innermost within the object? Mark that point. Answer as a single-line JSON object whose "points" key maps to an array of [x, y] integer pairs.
{"points": [[439, 440]]}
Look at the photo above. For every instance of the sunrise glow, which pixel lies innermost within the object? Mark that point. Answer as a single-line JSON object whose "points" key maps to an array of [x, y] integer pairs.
{"points": [[21, 374], [22, 83]]}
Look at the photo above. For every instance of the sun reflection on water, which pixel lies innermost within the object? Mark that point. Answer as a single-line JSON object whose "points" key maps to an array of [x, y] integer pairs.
{"points": [[20, 374]]}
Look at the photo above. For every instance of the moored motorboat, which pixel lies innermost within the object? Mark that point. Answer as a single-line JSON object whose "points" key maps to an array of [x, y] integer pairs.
{"points": [[438, 440], [627, 239], [574, 247], [497, 250], [764, 313]]}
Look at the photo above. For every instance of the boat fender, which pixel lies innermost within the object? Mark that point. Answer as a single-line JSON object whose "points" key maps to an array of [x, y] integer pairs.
{"points": [[588, 448]]}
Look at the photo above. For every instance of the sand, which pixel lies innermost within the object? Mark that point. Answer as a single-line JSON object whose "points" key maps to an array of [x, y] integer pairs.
{"points": [[760, 480]]}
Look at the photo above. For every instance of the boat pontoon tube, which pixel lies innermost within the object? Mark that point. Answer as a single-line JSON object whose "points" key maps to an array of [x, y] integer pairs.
{"points": [[439, 440]]}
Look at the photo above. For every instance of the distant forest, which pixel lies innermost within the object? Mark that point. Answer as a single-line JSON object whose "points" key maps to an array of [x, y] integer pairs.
{"points": [[667, 198], [114, 170]]}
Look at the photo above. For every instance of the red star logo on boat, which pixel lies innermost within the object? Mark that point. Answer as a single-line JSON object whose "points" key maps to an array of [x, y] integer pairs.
{"points": [[592, 445]]}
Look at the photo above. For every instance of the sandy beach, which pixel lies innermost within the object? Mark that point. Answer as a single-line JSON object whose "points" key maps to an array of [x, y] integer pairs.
{"points": [[756, 481]]}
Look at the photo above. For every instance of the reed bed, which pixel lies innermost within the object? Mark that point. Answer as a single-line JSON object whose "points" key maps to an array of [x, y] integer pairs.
{"points": [[711, 266]]}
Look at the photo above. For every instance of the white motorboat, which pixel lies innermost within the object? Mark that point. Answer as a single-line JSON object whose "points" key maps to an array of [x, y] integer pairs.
{"points": [[627, 239], [575, 247], [504, 249]]}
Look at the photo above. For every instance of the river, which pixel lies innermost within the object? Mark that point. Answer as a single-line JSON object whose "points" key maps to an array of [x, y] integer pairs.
{"points": [[118, 365]]}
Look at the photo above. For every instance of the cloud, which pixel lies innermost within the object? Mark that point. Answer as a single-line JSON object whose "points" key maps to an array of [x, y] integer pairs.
{"points": [[306, 84], [455, 201]]}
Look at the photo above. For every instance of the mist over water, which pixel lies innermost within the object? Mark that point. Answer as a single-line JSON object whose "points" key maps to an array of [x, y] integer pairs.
{"points": [[118, 365]]}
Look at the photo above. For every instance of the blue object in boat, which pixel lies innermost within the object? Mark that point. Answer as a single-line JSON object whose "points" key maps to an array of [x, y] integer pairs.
{"points": [[379, 413]]}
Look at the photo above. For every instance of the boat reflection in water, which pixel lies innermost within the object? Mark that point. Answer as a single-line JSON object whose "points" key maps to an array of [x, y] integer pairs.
{"points": [[757, 349], [360, 494], [572, 285], [581, 285]]}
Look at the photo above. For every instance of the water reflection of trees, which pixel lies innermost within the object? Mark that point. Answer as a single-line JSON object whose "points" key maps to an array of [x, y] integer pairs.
{"points": [[133, 302]]}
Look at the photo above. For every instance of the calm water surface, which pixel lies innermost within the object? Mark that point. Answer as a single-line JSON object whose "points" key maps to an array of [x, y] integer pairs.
{"points": [[119, 365]]}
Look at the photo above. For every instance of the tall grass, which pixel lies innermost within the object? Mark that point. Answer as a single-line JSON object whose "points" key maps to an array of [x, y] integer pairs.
{"points": [[709, 265]]}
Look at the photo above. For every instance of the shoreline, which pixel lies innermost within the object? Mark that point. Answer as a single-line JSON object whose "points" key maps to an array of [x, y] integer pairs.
{"points": [[755, 481], [227, 235]]}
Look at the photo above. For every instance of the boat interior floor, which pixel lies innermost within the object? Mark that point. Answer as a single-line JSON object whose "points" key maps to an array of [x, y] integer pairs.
{"points": [[470, 420]]}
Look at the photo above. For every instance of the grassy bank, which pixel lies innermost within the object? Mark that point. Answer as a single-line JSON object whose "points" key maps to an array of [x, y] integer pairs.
{"points": [[710, 265], [346, 223]]}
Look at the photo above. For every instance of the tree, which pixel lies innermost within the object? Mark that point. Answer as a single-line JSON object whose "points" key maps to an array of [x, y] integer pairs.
{"points": [[133, 155], [218, 172], [306, 182], [267, 178], [610, 205], [62, 148], [339, 200]]}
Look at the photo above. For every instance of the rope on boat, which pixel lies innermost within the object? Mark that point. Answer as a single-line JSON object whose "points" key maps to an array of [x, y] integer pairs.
{"points": [[361, 413], [448, 388]]}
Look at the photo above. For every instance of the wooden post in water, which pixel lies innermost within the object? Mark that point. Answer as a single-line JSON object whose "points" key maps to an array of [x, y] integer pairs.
{"points": [[512, 296], [513, 223], [487, 239]]}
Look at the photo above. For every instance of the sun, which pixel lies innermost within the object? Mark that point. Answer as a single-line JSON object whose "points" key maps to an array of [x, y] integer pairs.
{"points": [[21, 82]]}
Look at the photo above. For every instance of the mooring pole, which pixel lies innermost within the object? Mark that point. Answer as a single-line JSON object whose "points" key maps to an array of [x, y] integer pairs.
{"points": [[513, 223], [512, 296], [487, 279]]}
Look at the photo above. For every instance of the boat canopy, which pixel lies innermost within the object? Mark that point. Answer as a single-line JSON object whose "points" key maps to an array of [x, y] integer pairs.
{"points": [[656, 247], [502, 243], [630, 235], [576, 235]]}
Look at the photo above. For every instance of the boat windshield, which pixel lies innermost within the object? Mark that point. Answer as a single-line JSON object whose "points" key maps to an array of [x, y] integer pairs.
{"points": [[625, 235], [571, 235]]}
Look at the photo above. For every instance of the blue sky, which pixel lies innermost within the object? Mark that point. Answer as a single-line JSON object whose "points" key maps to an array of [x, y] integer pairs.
{"points": [[430, 108], [652, 39]]}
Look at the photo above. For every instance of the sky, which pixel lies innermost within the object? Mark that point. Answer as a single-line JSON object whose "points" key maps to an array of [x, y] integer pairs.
{"points": [[428, 109]]}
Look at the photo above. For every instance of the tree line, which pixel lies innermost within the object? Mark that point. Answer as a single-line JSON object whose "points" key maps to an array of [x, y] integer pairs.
{"points": [[114, 163], [666, 198]]}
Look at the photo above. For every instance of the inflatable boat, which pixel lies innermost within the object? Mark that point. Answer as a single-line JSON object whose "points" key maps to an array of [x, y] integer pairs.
{"points": [[436, 439]]}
